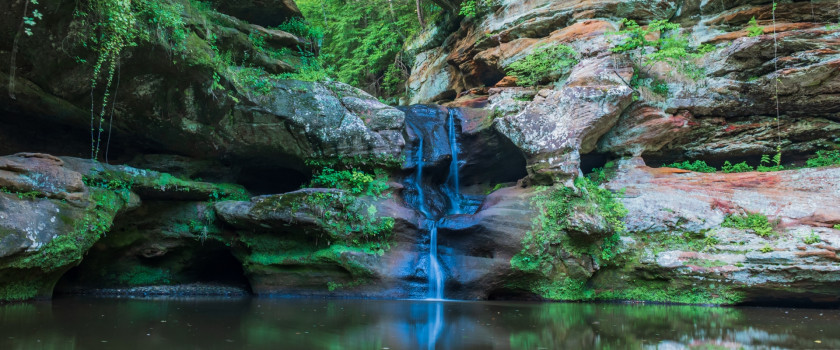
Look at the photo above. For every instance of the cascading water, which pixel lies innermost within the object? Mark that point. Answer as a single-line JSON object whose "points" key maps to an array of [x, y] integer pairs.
{"points": [[436, 138], [452, 189]]}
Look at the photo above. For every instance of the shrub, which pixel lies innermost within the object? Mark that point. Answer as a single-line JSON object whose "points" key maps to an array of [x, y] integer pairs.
{"points": [[472, 8], [758, 223], [768, 164], [544, 63], [741, 167], [754, 29], [813, 238], [669, 47], [353, 181], [698, 166], [824, 158]]}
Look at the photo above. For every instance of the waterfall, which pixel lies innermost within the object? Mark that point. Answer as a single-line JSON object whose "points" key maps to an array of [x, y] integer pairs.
{"points": [[434, 130], [436, 277], [452, 189]]}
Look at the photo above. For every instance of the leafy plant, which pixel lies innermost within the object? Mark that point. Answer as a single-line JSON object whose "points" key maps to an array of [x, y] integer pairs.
{"points": [[824, 158], [741, 167], [30, 21], [768, 164], [363, 39], [813, 238], [754, 29], [697, 166], [758, 223], [766, 249], [670, 46], [471, 8], [303, 29], [544, 63], [353, 181]]}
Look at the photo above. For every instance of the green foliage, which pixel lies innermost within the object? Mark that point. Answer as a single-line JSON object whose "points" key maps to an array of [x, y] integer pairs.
{"points": [[837, 227], [303, 29], [344, 216], [670, 46], [754, 29], [813, 238], [603, 174], [311, 68], [771, 165], [548, 238], [364, 163], [19, 290], [657, 86], [110, 26], [31, 20], [544, 63], [473, 8], [758, 223], [697, 166], [766, 248], [353, 181], [362, 40], [741, 167], [824, 158]]}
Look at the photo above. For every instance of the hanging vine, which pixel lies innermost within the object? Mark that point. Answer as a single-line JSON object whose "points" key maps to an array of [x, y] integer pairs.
{"points": [[776, 87], [112, 28], [28, 21]]}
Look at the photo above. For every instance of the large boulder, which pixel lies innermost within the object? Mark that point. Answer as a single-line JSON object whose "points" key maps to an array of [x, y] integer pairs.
{"points": [[560, 125]]}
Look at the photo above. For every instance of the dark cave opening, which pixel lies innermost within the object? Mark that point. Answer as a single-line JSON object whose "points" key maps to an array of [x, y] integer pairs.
{"points": [[591, 161], [271, 179]]}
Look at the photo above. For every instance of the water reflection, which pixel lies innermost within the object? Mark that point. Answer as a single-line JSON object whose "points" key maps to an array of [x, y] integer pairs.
{"points": [[84, 323]]}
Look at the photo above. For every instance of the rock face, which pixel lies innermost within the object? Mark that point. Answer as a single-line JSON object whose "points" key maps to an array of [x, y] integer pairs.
{"points": [[520, 221], [216, 96], [796, 260], [290, 244], [728, 113], [54, 210]]}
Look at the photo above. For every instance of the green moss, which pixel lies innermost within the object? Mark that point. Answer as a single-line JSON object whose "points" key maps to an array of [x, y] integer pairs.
{"points": [[547, 241], [268, 250], [69, 248], [673, 292]]}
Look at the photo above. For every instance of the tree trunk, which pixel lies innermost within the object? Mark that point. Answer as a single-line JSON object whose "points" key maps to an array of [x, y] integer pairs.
{"points": [[420, 14]]}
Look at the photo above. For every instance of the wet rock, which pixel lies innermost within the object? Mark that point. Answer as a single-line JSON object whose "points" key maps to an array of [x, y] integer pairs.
{"points": [[477, 249]]}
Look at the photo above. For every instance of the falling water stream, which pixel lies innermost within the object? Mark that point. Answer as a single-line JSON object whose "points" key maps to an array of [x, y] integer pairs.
{"points": [[427, 124]]}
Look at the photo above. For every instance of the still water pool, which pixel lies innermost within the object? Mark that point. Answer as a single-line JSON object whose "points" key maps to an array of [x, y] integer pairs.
{"points": [[96, 323]]}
